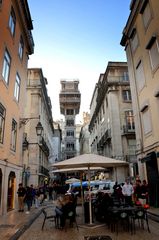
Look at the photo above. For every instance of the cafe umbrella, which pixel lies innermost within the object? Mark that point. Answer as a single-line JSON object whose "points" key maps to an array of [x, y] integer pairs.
{"points": [[89, 160]]}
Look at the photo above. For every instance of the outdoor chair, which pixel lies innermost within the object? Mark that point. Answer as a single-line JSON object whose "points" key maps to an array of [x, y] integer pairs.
{"points": [[140, 215], [122, 219], [71, 216], [50, 217], [99, 237]]}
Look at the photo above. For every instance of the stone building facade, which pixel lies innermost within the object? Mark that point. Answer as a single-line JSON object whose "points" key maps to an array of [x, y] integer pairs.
{"points": [[37, 148], [112, 128], [141, 41], [16, 44]]}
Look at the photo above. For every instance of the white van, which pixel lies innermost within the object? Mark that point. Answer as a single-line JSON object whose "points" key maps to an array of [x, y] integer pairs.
{"points": [[104, 186]]}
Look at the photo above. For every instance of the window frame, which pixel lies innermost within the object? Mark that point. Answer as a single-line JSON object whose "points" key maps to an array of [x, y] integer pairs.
{"points": [[140, 74], [129, 118], [17, 87], [12, 21], [2, 122], [132, 37], [70, 133], [13, 135], [6, 66], [145, 5], [21, 48], [128, 95], [149, 46], [147, 128]]}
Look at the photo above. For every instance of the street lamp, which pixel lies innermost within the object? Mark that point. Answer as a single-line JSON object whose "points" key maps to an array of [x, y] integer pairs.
{"points": [[39, 129]]}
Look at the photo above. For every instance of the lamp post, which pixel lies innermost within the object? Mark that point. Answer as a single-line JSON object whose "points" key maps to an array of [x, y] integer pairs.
{"points": [[39, 129], [26, 169]]}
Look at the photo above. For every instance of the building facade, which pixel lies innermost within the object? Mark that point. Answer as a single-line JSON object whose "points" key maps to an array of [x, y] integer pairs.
{"points": [[112, 128], [141, 41], [37, 147], [85, 134], [16, 44], [57, 138], [70, 99]]}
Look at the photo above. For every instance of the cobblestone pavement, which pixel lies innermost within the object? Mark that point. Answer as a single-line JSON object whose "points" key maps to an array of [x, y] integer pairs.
{"points": [[51, 233]]}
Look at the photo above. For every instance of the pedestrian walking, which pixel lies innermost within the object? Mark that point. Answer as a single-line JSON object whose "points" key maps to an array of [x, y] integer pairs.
{"points": [[28, 199], [21, 195], [37, 197]]}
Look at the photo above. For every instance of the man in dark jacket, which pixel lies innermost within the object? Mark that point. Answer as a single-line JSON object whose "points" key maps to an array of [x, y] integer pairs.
{"points": [[21, 195]]}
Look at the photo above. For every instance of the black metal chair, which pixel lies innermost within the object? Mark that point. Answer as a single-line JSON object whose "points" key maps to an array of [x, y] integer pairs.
{"points": [[50, 217], [98, 237], [71, 216], [141, 216]]}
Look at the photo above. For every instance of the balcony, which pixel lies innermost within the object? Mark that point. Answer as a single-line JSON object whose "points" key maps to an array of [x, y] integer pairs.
{"points": [[120, 79], [107, 135], [44, 146], [70, 99], [43, 170], [70, 150], [127, 129]]}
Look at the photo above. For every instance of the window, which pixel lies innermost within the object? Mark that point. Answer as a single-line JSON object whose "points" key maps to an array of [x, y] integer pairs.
{"points": [[21, 47], [12, 21], [126, 95], [153, 49], [13, 135], [70, 146], [70, 122], [146, 121], [134, 40], [146, 13], [140, 77], [129, 120], [6, 66], [125, 77], [2, 121], [69, 112], [70, 133], [17, 87]]}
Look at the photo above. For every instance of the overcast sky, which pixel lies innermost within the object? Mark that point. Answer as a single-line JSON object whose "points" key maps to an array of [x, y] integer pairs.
{"points": [[75, 39]]}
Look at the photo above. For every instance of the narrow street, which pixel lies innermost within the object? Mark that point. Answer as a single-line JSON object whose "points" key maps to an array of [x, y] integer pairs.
{"points": [[50, 232]]}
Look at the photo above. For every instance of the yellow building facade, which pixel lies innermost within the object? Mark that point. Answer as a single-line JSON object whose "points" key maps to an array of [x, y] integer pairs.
{"points": [[16, 44], [141, 41]]}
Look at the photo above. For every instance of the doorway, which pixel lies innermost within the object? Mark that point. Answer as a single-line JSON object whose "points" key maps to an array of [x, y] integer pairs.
{"points": [[0, 187], [11, 191], [153, 179]]}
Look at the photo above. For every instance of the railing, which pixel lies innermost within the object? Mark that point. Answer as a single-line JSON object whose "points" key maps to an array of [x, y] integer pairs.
{"points": [[70, 99], [43, 170], [118, 79], [107, 135], [44, 146], [128, 129]]}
